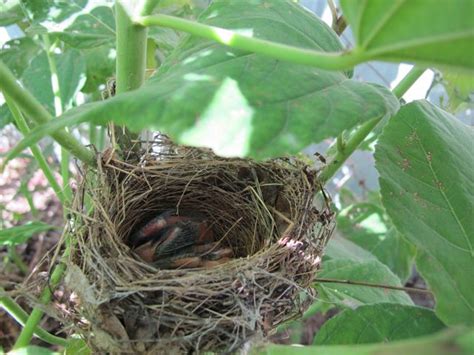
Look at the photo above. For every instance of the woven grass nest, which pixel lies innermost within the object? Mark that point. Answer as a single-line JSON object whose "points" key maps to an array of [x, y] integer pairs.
{"points": [[264, 211]]}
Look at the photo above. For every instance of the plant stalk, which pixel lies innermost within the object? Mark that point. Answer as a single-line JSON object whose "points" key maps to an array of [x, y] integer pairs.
{"points": [[58, 109], [364, 130], [17, 313], [36, 112], [34, 318], [37, 154], [323, 60], [131, 61]]}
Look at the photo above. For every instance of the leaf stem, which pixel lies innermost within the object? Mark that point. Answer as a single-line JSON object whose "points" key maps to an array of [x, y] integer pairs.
{"points": [[369, 284], [17, 313], [323, 60], [38, 155], [364, 130], [58, 109], [28, 104], [32, 322]]}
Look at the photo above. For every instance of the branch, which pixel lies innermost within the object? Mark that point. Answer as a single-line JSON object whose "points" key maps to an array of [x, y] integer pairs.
{"points": [[364, 130], [369, 284], [34, 110], [323, 60]]}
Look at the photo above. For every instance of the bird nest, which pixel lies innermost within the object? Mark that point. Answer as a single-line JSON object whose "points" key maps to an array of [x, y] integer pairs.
{"points": [[266, 212]]}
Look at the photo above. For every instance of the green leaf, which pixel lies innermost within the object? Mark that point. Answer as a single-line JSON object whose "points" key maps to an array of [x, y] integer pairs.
{"points": [[243, 104], [342, 248], [100, 63], [452, 341], [458, 86], [18, 53], [425, 161], [47, 11], [367, 225], [5, 116], [92, 29], [33, 350], [370, 271], [429, 33], [10, 12], [20, 234], [71, 75], [382, 322], [77, 347]]}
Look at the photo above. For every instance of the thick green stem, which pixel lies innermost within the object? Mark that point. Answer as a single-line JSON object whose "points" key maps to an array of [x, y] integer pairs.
{"points": [[36, 112], [17, 313], [32, 322], [37, 154], [324, 60], [131, 60], [364, 130]]}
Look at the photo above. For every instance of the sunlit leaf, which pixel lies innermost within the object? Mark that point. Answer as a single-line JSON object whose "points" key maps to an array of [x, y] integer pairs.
{"points": [[452, 341], [459, 87], [243, 104], [425, 161], [92, 29], [10, 12], [376, 323], [20, 234], [367, 225], [423, 31], [17, 54], [70, 74], [370, 271]]}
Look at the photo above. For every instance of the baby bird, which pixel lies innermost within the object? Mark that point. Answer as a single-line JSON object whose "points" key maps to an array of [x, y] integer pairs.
{"points": [[171, 241]]}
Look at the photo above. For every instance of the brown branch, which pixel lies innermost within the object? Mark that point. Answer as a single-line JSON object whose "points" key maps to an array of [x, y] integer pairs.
{"points": [[369, 284], [338, 22]]}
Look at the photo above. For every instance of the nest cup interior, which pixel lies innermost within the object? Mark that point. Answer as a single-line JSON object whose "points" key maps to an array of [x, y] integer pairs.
{"points": [[233, 203], [263, 211]]}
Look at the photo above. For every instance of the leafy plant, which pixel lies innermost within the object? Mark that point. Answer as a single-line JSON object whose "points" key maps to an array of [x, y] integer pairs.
{"points": [[261, 79]]}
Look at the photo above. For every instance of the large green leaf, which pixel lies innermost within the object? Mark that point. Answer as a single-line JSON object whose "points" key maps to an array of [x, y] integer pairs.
{"points": [[342, 248], [459, 87], [243, 104], [422, 31], [20, 234], [367, 225], [92, 29], [425, 160], [10, 12], [18, 53], [370, 271], [71, 76], [382, 322], [449, 341], [100, 67]]}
